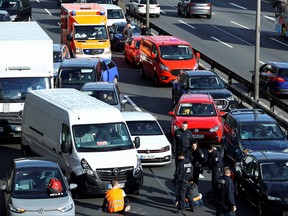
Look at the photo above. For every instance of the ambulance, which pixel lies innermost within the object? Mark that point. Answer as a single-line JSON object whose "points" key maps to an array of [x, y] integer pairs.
{"points": [[84, 30]]}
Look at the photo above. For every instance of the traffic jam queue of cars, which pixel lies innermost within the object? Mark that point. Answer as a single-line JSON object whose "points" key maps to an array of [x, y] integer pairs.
{"points": [[89, 118]]}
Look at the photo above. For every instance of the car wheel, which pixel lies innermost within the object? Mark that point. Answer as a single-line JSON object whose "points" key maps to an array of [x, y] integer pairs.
{"points": [[156, 80], [186, 14], [209, 16], [141, 72]]}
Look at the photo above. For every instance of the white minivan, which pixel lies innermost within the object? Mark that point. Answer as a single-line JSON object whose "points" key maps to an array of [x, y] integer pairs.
{"points": [[114, 14], [88, 138]]}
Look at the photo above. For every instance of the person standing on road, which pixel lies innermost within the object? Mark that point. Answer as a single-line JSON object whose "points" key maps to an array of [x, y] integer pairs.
{"points": [[127, 33], [196, 156], [215, 165], [183, 179], [225, 200]]}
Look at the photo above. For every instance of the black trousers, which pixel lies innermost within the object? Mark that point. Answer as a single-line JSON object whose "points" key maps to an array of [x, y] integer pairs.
{"points": [[183, 189], [215, 175]]}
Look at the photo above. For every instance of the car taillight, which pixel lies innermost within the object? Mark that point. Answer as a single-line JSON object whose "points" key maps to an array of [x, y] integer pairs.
{"points": [[277, 79]]}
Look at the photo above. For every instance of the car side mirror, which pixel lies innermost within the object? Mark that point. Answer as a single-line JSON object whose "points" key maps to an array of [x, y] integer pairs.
{"points": [[171, 113], [222, 113], [153, 55], [137, 142]]}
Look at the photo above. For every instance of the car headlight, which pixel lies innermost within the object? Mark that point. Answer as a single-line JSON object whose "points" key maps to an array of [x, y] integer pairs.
{"points": [[231, 98], [214, 129], [107, 50], [15, 209], [165, 148], [273, 198], [86, 168], [163, 67], [138, 165], [79, 51], [66, 208]]}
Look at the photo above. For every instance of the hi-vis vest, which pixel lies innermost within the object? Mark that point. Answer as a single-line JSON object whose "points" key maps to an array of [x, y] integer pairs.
{"points": [[115, 200]]}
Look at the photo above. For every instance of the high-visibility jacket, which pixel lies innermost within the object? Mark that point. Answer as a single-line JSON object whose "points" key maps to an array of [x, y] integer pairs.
{"points": [[115, 200]]}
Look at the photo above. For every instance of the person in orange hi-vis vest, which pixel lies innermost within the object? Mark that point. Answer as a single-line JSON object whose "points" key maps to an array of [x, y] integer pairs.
{"points": [[115, 199]]}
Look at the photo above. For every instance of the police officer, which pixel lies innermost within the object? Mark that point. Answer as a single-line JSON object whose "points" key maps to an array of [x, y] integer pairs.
{"points": [[215, 165], [183, 138], [197, 158], [182, 178], [225, 200]]}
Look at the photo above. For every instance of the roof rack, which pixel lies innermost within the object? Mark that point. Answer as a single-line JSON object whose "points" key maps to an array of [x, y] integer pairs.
{"points": [[247, 110]]}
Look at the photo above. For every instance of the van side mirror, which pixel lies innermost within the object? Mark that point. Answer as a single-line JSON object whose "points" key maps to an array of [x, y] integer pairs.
{"points": [[137, 142], [69, 37]]}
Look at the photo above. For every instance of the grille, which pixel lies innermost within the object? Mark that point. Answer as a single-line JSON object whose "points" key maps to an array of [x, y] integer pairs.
{"points": [[221, 103], [110, 173], [93, 51], [150, 151], [10, 118], [177, 72]]}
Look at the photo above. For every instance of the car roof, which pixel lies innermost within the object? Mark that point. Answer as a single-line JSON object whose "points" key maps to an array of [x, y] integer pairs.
{"points": [[199, 98], [79, 62], [35, 162], [138, 116], [279, 64], [110, 6], [98, 85], [251, 115], [166, 40], [262, 156], [200, 73]]}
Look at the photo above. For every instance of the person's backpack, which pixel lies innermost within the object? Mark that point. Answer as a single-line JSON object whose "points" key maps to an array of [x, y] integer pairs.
{"points": [[54, 186]]}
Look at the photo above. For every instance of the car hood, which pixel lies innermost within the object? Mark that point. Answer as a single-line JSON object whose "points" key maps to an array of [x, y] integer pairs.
{"points": [[264, 144], [49, 204], [198, 122], [152, 142], [215, 93], [276, 188], [180, 63]]}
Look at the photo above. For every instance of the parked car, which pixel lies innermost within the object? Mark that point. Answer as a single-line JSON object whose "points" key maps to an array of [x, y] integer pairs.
{"points": [[203, 82], [195, 7], [19, 10], [139, 7], [163, 57], [75, 72], [203, 117], [116, 37], [26, 189], [131, 51], [60, 52], [155, 149], [262, 178], [273, 77], [252, 129], [4, 16], [106, 92]]}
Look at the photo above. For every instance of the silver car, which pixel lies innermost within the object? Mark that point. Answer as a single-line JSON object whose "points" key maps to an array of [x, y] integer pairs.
{"points": [[106, 92], [195, 7], [26, 190]]}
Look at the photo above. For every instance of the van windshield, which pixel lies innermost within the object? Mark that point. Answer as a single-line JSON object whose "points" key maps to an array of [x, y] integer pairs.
{"points": [[102, 137], [92, 32], [176, 52], [115, 14]]}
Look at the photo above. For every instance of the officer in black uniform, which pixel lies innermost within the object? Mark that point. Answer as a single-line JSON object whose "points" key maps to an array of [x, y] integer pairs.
{"points": [[225, 200], [215, 165], [183, 138], [196, 156], [182, 179]]}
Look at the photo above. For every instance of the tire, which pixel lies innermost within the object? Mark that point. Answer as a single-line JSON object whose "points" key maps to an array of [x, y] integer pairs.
{"points": [[156, 80], [209, 16], [141, 72]]}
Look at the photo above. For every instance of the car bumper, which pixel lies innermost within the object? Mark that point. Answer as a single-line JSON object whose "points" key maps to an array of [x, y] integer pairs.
{"points": [[155, 159], [199, 12]]}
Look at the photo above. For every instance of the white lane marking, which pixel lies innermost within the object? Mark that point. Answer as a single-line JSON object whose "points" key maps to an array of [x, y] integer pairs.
{"points": [[238, 6], [132, 103], [279, 42], [270, 18], [239, 25], [38, 1], [222, 42], [232, 35], [186, 24], [48, 11], [261, 62], [162, 11], [58, 23]]}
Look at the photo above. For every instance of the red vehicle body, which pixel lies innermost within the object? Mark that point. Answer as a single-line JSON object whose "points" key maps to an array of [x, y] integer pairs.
{"points": [[203, 117], [131, 51]]}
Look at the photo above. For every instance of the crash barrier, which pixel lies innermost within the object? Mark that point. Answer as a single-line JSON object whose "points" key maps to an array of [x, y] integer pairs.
{"points": [[239, 86]]}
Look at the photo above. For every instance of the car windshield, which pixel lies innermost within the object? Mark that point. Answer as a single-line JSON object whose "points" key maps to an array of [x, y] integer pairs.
{"points": [[176, 52], [144, 128], [9, 5], [57, 56], [87, 32], [274, 171], [261, 131], [32, 183], [205, 82], [102, 137], [196, 109], [115, 14], [107, 96], [77, 75], [15, 89]]}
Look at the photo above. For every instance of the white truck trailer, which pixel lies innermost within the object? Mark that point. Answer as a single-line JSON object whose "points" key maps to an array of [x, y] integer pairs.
{"points": [[26, 63]]}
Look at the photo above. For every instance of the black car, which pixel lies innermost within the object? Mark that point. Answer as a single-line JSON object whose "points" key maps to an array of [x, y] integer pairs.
{"points": [[251, 129], [116, 37], [262, 178], [203, 82]]}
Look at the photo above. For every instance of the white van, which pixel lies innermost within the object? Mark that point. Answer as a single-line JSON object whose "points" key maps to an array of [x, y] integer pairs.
{"points": [[87, 137], [114, 14]]}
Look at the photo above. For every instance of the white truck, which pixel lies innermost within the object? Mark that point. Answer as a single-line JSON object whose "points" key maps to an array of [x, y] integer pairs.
{"points": [[26, 63]]}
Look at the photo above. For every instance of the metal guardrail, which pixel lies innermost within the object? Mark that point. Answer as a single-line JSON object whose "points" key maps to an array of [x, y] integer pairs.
{"points": [[273, 102]]}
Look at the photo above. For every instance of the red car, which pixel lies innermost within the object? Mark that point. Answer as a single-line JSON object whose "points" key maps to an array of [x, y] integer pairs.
{"points": [[203, 117], [131, 51]]}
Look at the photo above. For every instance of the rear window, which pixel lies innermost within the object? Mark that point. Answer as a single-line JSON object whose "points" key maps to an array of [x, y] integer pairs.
{"points": [[115, 14], [151, 2]]}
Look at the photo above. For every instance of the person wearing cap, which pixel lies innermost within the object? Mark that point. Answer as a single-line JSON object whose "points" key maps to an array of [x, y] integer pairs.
{"points": [[183, 179]]}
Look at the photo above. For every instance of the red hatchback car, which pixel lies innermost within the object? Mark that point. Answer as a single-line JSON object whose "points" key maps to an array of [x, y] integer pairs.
{"points": [[131, 51], [203, 117]]}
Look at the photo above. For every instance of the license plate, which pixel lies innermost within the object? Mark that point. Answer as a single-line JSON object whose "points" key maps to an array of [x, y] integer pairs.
{"points": [[147, 156], [198, 136]]}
